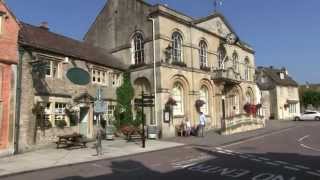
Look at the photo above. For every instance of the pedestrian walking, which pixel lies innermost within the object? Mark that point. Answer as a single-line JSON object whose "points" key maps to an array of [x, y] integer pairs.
{"points": [[99, 139], [202, 124]]}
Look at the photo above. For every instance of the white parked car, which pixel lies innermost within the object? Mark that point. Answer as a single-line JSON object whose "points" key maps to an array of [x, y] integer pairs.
{"points": [[309, 115]]}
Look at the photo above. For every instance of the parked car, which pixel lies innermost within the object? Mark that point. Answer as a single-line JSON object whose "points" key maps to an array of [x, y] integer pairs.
{"points": [[309, 115]]}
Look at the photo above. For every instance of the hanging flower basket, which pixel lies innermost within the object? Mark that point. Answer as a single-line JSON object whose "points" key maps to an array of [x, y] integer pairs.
{"points": [[199, 103], [171, 102], [250, 109]]}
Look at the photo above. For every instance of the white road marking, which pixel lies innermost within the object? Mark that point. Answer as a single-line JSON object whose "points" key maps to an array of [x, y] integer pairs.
{"points": [[304, 137], [310, 148], [261, 137], [228, 151], [313, 173], [264, 159], [243, 156], [302, 167], [257, 160], [291, 168], [281, 162], [273, 164], [223, 152], [185, 165]]}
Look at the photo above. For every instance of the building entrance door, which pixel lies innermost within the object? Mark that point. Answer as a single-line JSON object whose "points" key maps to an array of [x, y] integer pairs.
{"points": [[84, 119]]}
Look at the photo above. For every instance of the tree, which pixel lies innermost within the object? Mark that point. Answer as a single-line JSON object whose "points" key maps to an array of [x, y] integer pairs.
{"points": [[125, 94], [310, 97]]}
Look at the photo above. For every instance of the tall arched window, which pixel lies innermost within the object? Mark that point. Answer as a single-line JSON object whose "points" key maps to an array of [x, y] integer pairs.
{"points": [[177, 47], [235, 62], [203, 53], [204, 96], [221, 56], [137, 46], [246, 69], [249, 97], [177, 95]]}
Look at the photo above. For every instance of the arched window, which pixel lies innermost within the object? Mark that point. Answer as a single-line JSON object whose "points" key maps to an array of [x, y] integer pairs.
{"points": [[204, 96], [177, 95], [176, 47], [137, 46], [203, 53], [246, 69], [235, 62], [249, 98], [221, 56]]}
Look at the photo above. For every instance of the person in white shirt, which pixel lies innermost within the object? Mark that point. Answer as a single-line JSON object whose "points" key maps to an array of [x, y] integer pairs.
{"points": [[187, 127], [202, 124]]}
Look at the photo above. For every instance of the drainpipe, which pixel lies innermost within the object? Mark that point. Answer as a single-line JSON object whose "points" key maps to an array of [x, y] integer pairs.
{"points": [[154, 70], [18, 102]]}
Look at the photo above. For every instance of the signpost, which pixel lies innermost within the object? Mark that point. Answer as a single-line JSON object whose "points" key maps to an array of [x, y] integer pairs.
{"points": [[144, 101], [99, 108]]}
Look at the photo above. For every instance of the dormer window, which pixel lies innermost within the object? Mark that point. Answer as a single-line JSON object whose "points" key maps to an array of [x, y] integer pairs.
{"points": [[281, 75]]}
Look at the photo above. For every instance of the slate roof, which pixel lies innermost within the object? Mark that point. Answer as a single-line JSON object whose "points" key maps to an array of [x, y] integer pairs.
{"points": [[43, 39], [274, 76]]}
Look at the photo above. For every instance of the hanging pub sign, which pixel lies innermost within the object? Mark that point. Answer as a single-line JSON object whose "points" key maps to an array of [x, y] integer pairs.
{"points": [[78, 76]]}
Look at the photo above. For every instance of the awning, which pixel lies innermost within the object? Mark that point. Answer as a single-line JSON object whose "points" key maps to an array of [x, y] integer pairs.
{"points": [[292, 101]]}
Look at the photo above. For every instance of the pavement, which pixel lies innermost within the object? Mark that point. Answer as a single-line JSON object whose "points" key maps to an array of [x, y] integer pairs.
{"points": [[51, 157]]}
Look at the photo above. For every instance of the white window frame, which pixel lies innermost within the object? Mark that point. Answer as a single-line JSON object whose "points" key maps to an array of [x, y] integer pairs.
{"points": [[247, 69], [177, 47], [203, 53], [137, 48], [54, 69], [235, 61], [116, 79], [178, 95], [222, 53], [292, 108], [204, 96], [59, 112], [99, 74]]}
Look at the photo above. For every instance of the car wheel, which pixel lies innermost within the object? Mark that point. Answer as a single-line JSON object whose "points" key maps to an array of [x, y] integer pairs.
{"points": [[317, 118], [297, 119]]}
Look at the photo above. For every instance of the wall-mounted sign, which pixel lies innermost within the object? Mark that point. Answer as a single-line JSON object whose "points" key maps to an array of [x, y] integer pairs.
{"points": [[78, 76]]}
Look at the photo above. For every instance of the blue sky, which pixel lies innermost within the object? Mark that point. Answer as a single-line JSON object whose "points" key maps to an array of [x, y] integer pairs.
{"points": [[283, 32]]}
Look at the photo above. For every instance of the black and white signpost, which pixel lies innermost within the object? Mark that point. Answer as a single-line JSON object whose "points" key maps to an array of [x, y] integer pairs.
{"points": [[144, 101]]}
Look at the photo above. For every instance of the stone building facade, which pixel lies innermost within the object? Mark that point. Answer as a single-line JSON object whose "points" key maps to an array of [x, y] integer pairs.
{"points": [[280, 93], [9, 29], [51, 104], [196, 59]]}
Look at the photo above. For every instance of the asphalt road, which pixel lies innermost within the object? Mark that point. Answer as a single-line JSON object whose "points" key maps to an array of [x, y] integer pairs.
{"points": [[291, 154]]}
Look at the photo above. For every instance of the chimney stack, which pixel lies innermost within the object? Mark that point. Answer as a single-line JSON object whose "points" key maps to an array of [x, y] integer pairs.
{"points": [[44, 25]]}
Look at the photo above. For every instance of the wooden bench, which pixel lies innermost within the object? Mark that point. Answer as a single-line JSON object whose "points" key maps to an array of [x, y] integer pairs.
{"points": [[72, 140]]}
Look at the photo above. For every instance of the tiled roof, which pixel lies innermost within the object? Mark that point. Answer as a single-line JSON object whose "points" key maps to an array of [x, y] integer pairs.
{"points": [[274, 76], [43, 39]]}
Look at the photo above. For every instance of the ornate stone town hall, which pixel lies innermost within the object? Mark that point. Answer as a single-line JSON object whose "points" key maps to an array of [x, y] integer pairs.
{"points": [[196, 59], [169, 55]]}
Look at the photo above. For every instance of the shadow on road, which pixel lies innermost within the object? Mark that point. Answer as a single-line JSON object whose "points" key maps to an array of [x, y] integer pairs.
{"points": [[224, 165]]}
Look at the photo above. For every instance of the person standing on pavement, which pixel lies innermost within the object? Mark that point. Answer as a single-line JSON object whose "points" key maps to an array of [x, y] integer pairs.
{"points": [[202, 124], [99, 139]]}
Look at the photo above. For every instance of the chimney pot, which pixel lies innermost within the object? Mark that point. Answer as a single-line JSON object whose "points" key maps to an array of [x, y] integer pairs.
{"points": [[44, 25]]}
